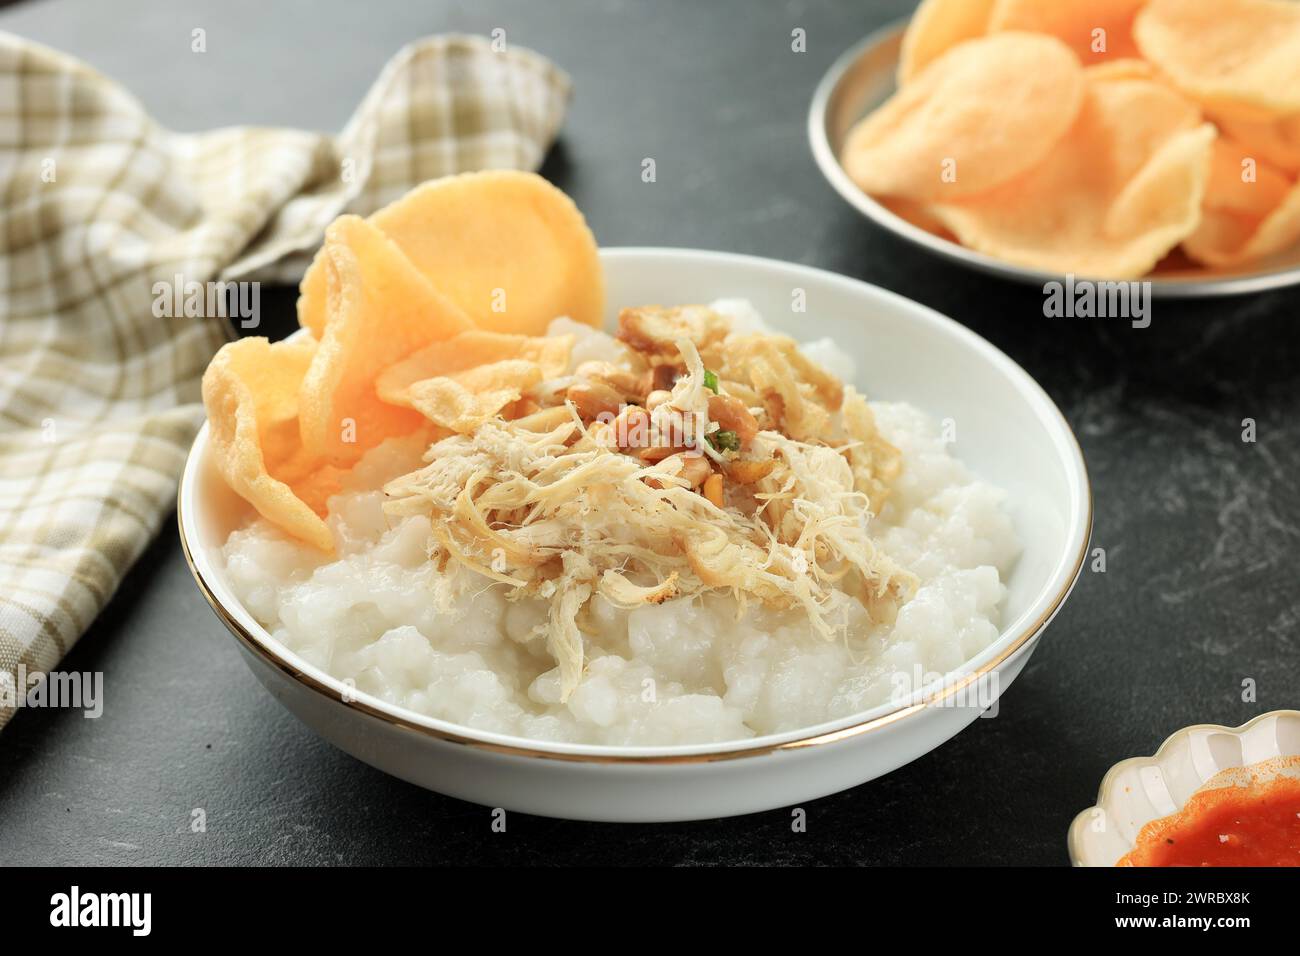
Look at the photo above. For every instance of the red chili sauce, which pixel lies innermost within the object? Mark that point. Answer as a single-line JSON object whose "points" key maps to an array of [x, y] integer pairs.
{"points": [[1257, 825]]}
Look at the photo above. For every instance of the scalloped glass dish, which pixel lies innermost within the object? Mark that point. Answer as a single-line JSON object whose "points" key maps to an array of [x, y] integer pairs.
{"points": [[1142, 789]]}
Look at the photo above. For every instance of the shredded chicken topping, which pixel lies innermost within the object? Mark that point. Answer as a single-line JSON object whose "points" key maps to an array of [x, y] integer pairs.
{"points": [[706, 459]]}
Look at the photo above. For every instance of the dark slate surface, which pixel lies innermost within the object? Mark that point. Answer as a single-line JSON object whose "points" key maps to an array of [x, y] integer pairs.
{"points": [[1202, 531]]}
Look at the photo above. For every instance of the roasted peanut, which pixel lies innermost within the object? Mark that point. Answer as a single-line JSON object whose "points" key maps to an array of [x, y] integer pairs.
{"points": [[694, 470], [748, 472], [732, 415], [593, 399], [656, 453], [713, 489]]}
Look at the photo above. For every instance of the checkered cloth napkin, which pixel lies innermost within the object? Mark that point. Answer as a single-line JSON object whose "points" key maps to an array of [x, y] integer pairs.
{"points": [[99, 395]]}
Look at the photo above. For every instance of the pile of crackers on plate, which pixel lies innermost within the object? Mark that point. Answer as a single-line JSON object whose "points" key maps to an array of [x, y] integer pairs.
{"points": [[427, 315], [1094, 137]]}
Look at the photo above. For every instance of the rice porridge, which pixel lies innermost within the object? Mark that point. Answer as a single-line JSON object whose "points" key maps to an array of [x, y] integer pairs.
{"points": [[416, 617]]}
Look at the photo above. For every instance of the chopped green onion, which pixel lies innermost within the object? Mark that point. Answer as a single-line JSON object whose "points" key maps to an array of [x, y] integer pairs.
{"points": [[724, 440], [711, 381]]}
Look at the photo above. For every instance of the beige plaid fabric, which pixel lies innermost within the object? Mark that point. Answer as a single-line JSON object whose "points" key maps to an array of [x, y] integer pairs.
{"points": [[99, 394]]}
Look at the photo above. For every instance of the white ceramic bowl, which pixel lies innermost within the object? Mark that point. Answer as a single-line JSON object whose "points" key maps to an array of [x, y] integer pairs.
{"points": [[1008, 431], [1141, 789]]}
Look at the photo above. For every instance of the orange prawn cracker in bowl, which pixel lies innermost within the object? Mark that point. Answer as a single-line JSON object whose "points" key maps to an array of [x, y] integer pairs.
{"points": [[421, 318], [464, 401], [981, 114], [1240, 57], [1276, 141], [250, 391], [1120, 191], [1091, 137], [508, 248], [467, 351], [938, 26], [381, 309], [1096, 30], [1251, 209]]}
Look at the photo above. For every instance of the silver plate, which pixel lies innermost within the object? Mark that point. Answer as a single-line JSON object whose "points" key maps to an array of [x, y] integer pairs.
{"points": [[863, 78]]}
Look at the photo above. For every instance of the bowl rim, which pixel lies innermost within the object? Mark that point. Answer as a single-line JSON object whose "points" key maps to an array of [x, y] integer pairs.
{"points": [[826, 160], [1075, 835], [281, 659]]}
